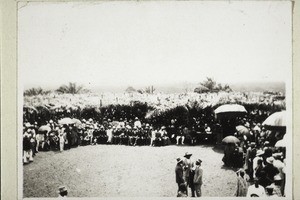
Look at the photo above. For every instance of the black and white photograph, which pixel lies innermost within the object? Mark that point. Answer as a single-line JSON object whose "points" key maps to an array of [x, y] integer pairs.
{"points": [[155, 99]]}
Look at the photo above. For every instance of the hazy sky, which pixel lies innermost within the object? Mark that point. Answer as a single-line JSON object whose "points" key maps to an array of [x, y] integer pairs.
{"points": [[134, 43]]}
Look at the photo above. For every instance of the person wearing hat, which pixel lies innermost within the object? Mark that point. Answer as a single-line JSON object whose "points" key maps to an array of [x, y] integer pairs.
{"points": [[62, 191], [179, 172], [270, 170], [256, 190], [259, 154], [198, 178], [250, 155], [188, 173]]}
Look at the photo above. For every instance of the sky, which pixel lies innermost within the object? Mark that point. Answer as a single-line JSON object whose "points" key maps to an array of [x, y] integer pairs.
{"points": [[136, 43]]}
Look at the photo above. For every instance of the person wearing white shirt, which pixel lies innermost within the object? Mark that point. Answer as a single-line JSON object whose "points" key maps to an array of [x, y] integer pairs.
{"points": [[256, 190], [259, 155]]}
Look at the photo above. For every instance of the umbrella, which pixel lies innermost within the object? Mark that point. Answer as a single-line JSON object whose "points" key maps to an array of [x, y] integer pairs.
{"points": [[276, 120], [230, 140], [76, 121], [231, 108], [66, 120], [242, 130], [44, 128], [281, 143]]}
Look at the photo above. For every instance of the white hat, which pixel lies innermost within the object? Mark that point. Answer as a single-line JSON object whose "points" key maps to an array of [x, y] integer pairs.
{"points": [[259, 152], [277, 178], [270, 160]]}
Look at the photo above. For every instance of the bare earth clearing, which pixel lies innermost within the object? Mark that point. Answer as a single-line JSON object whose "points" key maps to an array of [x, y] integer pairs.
{"points": [[115, 171]]}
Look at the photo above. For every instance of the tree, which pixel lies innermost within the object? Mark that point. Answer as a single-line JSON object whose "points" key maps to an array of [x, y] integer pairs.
{"points": [[36, 91], [209, 83], [150, 89], [212, 86], [130, 89], [72, 88]]}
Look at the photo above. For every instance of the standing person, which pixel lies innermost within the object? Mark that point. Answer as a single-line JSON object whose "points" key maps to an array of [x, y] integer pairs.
{"points": [[27, 151], [250, 155], [62, 138], [179, 173], [198, 178], [270, 170], [188, 167], [242, 185], [109, 134], [258, 157]]}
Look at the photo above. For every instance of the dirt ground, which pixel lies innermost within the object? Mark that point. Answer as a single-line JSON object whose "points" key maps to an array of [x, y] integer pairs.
{"points": [[123, 171]]}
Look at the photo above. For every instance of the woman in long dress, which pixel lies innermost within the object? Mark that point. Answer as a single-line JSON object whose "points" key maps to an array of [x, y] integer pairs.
{"points": [[242, 185]]}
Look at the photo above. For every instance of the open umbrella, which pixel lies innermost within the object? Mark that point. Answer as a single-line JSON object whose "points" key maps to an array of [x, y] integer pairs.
{"points": [[276, 120], [66, 121], [230, 140], [242, 130], [281, 143], [76, 121], [231, 108], [44, 128]]}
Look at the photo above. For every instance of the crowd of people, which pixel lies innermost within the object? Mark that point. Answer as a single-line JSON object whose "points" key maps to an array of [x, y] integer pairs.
{"points": [[262, 163], [69, 133]]}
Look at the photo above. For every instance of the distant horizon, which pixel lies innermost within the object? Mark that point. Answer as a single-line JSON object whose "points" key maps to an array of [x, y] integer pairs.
{"points": [[177, 86]]}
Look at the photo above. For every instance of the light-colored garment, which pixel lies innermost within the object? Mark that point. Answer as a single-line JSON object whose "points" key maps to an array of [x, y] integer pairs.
{"points": [[257, 158], [109, 134], [242, 187], [137, 124], [259, 191]]}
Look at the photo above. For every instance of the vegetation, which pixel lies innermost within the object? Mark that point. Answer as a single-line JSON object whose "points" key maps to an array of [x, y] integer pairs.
{"points": [[147, 90], [210, 85], [72, 88], [130, 89], [36, 91]]}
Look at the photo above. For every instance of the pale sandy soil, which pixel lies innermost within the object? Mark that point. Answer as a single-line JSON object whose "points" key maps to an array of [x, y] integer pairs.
{"points": [[116, 171]]}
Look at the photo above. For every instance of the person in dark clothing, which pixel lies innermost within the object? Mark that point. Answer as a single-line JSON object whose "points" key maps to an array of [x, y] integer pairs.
{"points": [[264, 180], [179, 172], [270, 170]]}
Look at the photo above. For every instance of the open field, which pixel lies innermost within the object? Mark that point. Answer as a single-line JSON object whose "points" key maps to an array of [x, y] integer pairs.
{"points": [[115, 171]]}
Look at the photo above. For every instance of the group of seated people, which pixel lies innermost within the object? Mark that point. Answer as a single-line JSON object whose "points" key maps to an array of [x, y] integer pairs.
{"points": [[61, 136]]}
